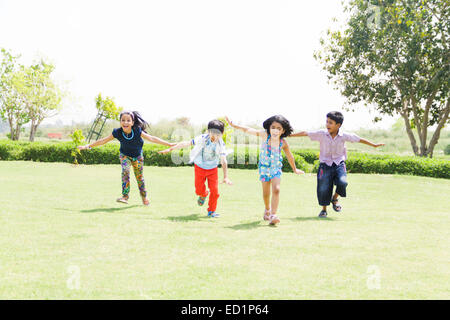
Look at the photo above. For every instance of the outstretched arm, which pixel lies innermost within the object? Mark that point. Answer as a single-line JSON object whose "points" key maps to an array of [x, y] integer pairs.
{"points": [[299, 134], [375, 145], [291, 158], [223, 161], [157, 140], [179, 145], [97, 143], [246, 129]]}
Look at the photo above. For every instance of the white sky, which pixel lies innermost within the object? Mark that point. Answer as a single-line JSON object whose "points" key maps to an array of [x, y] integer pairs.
{"points": [[249, 59]]}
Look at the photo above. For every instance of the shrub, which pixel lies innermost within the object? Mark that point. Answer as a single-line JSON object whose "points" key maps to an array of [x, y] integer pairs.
{"points": [[447, 150], [306, 160]]}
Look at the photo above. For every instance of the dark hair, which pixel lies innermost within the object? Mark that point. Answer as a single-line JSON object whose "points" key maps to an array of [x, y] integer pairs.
{"points": [[139, 122], [281, 120], [336, 116], [216, 125]]}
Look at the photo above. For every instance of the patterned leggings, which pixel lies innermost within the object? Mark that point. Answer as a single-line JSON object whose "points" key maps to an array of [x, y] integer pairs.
{"points": [[138, 168]]}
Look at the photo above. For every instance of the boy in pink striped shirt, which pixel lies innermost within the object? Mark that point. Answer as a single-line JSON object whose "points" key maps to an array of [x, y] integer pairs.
{"points": [[333, 153]]}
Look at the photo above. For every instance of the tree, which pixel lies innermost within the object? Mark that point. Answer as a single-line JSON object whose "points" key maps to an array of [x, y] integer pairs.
{"points": [[11, 109], [107, 107], [38, 93], [394, 56]]}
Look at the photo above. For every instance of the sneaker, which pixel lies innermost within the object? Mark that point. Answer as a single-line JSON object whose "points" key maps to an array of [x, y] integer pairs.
{"points": [[273, 219], [122, 200], [323, 214], [213, 214]]}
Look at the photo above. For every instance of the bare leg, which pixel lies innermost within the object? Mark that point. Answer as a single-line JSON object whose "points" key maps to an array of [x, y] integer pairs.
{"points": [[275, 194], [266, 194]]}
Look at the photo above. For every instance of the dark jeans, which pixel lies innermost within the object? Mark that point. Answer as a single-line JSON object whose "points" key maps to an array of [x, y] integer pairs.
{"points": [[327, 177]]}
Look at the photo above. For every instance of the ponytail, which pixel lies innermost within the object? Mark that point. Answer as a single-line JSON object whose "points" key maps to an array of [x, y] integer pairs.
{"points": [[139, 122]]}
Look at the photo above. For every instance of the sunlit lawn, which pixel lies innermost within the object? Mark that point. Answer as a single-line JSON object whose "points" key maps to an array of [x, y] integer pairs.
{"points": [[63, 236]]}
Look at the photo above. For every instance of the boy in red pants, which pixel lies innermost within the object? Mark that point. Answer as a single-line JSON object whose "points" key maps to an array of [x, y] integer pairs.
{"points": [[208, 151]]}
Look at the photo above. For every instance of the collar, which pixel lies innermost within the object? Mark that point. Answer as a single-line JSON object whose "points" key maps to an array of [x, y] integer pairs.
{"points": [[339, 134]]}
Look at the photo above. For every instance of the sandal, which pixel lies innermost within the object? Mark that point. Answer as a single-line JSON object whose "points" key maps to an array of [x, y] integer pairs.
{"points": [[273, 219], [266, 215], [122, 200], [323, 214], [201, 200], [336, 207]]}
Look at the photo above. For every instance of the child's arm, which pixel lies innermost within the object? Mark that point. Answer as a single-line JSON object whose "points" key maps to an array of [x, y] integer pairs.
{"points": [[246, 129], [375, 145], [224, 163], [179, 145], [157, 140], [290, 158], [299, 134], [97, 143]]}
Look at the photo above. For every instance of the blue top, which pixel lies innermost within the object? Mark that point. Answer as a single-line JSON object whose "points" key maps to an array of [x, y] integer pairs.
{"points": [[130, 144], [209, 152], [270, 159]]}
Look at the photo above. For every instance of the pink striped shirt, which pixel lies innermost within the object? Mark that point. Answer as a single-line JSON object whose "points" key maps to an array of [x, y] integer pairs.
{"points": [[332, 150]]}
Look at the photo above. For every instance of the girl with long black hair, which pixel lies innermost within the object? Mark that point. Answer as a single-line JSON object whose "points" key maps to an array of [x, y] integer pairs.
{"points": [[130, 134]]}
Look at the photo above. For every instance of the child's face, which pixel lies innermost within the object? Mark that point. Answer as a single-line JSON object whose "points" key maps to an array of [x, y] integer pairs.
{"points": [[276, 129], [126, 122], [215, 135], [332, 126]]}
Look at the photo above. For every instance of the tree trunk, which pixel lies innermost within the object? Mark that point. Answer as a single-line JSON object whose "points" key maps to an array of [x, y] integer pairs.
{"points": [[11, 128], [33, 129], [419, 128], [442, 121], [17, 134], [409, 131]]}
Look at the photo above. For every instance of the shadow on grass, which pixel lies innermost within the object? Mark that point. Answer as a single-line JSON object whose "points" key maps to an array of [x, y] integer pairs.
{"points": [[192, 217], [311, 218], [250, 225], [110, 209], [105, 210]]}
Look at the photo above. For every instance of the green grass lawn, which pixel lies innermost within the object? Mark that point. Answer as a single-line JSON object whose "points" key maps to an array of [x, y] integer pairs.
{"points": [[60, 226]]}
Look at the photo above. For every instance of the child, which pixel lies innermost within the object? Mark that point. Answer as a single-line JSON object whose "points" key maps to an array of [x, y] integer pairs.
{"points": [[208, 150], [130, 134], [271, 160], [333, 154]]}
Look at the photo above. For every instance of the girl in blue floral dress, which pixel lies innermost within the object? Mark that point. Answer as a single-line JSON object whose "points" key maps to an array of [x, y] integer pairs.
{"points": [[276, 128]]}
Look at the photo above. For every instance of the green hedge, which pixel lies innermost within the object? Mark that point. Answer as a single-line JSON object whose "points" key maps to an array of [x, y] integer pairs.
{"points": [[357, 163], [109, 154], [306, 160]]}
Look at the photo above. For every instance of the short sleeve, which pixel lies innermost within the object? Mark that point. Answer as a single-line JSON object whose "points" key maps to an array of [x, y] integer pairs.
{"points": [[351, 137], [222, 149], [115, 133], [315, 135], [138, 131], [197, 140]]}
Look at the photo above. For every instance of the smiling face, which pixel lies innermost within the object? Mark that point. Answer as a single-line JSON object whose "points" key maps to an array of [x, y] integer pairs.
{"points": [[276, 129], [126, 122], [332, 126]]}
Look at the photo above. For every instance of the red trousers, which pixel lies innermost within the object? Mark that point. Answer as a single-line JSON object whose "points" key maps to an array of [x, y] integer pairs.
{"points": [[201, 175]]}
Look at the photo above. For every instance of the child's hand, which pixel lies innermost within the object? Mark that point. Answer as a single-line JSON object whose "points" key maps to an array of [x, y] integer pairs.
{"points": [[227, 181], [379, 145], [229, 121], [165, 150], [82, 147], [298, 171], [172, 144]]}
